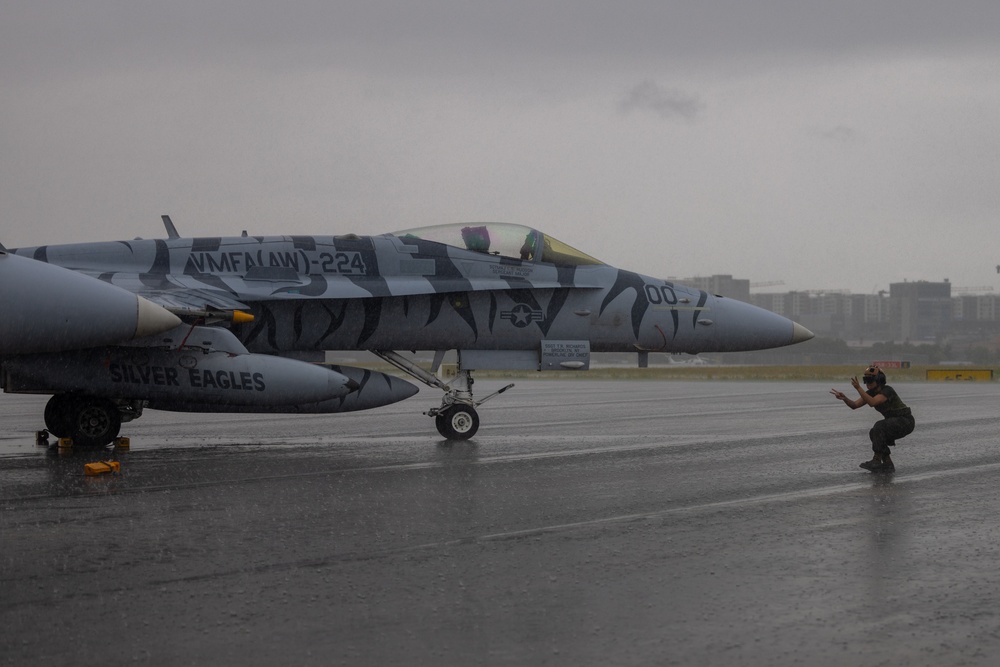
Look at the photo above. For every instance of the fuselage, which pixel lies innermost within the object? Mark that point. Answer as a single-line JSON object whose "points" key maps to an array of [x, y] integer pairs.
{"points": [[405, 292]]}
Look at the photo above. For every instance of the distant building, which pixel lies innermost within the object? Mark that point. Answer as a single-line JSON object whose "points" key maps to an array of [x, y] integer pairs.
{"points": [[869, 319], [724, 285], [975, 308], [920, 312], [975, 322]]}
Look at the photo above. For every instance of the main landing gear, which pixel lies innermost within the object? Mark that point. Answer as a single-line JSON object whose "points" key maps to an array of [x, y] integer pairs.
{"points": [[89, 421], [456, 418]]}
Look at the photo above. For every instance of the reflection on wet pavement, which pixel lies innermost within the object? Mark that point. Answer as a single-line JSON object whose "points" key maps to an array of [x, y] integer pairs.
{"points": [[586, 523]]}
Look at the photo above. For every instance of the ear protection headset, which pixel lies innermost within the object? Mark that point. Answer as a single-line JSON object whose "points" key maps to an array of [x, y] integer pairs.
{"points": [[874, 374]]}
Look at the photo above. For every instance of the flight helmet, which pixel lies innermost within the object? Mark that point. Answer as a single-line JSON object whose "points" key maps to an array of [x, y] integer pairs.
{"points": [[874, 374]]}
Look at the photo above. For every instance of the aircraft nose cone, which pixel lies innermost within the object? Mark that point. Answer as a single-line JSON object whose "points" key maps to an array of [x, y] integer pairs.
{"points": [[800, 334], [742, 326], [153, 319]]}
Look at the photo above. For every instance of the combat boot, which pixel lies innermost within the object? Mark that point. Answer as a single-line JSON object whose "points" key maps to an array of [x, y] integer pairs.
{"points": [[873, 465]]}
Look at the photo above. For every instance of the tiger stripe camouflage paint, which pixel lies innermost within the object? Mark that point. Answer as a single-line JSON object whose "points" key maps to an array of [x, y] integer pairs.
{"points": [[395, 292]]}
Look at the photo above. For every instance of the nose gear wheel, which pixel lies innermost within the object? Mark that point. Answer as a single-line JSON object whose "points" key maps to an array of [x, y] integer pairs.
{"points": [[458, 422]]}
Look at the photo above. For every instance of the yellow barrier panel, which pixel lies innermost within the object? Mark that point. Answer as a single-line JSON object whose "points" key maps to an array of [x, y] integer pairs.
{"points": [[960, 374]]}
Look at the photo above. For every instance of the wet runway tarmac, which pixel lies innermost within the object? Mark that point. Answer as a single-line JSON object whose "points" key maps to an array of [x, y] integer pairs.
{"points": [[589, 522]]}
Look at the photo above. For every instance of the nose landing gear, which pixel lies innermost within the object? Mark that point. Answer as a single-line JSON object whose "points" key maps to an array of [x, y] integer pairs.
{"points": [[456, 418]]}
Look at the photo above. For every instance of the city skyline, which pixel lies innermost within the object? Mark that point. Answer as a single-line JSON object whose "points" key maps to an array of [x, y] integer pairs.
{"points": [[779, 286]]}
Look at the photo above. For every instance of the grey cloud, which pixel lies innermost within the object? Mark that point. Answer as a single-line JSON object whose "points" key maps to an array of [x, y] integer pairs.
{"points": [[457, 37], [664, 102]]}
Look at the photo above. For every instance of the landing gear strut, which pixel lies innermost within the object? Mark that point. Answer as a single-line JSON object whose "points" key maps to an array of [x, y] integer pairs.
{"points": [[456, 418]]}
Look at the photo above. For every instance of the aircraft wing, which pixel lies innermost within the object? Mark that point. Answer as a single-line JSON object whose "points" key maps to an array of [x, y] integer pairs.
{"points": [[181, 299]]}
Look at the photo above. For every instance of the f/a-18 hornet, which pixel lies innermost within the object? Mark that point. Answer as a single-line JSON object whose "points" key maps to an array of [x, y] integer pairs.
{"points": [[236, 324]]}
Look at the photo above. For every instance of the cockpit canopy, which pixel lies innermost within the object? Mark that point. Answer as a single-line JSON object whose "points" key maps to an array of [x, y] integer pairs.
{"points": [[503, 239]]}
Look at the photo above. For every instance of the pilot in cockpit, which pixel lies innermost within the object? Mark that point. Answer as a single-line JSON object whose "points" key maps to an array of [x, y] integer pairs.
{"points": [[476, 239], [530, 243]]}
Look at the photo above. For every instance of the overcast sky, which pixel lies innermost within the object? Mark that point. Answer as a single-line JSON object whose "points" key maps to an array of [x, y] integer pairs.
{"points": [[829, 145]]}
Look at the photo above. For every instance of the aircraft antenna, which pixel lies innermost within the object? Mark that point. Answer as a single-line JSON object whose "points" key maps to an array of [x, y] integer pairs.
{"points": [[171, 230]]}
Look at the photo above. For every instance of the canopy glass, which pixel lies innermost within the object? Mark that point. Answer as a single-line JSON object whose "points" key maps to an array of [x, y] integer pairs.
{"points": [[503, 239]]}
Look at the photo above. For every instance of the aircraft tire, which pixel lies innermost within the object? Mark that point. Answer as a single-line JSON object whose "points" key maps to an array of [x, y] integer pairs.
{"points": [[58, 415], [459, 422], [95, 422]]}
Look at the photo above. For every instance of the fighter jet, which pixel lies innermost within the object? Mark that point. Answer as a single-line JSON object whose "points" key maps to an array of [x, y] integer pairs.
{"points": [[235, 324]]}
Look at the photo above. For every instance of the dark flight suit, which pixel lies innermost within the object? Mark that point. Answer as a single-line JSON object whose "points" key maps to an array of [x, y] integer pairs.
{"points": [[897, 421]]}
